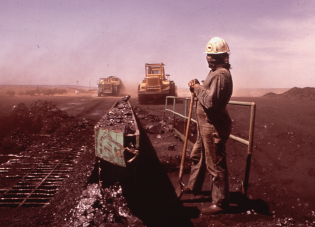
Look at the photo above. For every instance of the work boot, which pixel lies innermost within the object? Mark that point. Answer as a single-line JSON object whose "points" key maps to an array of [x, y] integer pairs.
{"points": [[213, 209], [187, 190]]}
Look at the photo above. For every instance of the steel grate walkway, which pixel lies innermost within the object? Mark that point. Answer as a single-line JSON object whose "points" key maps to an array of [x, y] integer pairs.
{"points": [[37, 178]]}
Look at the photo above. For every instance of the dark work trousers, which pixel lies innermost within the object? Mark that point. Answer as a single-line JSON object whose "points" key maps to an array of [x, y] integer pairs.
{"points": [[209, 153]]}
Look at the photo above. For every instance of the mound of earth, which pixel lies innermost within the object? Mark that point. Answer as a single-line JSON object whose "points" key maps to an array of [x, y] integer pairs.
{"points": [[307, 93], [271, 95], [23, 124]]}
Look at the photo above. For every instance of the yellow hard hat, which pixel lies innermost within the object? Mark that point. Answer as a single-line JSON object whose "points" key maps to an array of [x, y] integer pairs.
{"points": [[217, 45]]}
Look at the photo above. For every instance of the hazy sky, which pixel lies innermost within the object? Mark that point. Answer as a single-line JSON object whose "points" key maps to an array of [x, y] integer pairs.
{"points": [[60, 42]]}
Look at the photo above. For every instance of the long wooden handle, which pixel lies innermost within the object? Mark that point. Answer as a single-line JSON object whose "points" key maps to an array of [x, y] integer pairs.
{"points": [[181, 170]]}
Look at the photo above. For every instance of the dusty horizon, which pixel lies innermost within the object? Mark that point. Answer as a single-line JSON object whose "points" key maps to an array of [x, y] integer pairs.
{"points": [[132, 90], [77, 42]]}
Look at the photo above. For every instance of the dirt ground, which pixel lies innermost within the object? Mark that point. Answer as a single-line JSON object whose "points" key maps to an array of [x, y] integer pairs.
{"points": [[281, 182]]}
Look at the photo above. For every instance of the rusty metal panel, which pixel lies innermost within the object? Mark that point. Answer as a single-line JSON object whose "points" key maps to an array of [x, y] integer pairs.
{"points": [[110, 146]]}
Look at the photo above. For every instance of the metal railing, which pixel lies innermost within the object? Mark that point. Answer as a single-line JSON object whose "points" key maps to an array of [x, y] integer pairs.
{"points": [[248, 142]]}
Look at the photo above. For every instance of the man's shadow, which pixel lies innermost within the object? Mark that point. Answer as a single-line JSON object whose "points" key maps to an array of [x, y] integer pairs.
{"points": [[239, 203]]}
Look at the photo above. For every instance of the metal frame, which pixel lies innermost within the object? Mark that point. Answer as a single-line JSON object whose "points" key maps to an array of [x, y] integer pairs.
{"points": [[248, 142]]}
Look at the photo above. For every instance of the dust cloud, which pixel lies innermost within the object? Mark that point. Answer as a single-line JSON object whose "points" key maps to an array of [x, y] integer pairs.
{"points": [[129, 89]]}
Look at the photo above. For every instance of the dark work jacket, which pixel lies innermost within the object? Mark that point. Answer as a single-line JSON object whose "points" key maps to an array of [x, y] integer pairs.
{"points": [[213, 96]]}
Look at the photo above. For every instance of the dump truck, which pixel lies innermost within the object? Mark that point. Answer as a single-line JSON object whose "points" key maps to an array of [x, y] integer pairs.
{"points": [[109, 86], [156, 84]]}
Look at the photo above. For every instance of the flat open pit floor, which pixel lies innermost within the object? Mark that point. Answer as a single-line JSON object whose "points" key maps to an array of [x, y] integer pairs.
{"points": [[282, 174]]}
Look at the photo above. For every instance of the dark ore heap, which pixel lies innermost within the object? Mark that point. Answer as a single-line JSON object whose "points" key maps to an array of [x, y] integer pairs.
{"points": [[23, 126], [42, 117], [106, 208], [119, 118]]}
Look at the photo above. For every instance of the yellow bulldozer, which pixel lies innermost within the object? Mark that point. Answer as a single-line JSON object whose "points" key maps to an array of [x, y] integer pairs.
{"points": [[156, 84]]}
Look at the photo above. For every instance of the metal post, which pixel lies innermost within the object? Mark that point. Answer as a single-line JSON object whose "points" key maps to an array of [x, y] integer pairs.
{"points": [[174, 107], [249, 149], [165, 108]]}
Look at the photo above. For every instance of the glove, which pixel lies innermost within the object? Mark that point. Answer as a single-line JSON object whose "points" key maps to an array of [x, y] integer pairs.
{"points": [[191, 85], [191, 89], [193, 82]]}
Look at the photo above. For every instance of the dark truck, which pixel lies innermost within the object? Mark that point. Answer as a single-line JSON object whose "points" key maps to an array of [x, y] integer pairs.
{"points": [[109, 86]]}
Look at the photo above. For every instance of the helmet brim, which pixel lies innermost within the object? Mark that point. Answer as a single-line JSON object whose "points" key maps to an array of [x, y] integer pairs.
{"points": [[216, 53]]}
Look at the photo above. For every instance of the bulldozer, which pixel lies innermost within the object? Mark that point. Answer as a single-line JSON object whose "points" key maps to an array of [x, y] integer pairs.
{"points": [[109, 86], [156, 84]]}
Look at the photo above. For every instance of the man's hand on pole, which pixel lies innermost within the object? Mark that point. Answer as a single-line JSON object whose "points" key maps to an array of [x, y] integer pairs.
{"points": [[193, 84]]}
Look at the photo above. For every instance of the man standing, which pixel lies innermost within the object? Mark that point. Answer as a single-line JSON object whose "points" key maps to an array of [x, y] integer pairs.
{"points": [[214, 127]]}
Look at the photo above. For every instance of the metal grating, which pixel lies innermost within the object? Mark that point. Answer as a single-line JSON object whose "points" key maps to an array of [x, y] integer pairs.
{"points": [[37, 178]]}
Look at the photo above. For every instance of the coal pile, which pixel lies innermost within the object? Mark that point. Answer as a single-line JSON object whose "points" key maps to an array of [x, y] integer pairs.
{"points": [[47, 117], [23, 127], [145, 116], [152, 123], [42, 117], [163, 128], [16, 140], [102, 207], [119, 118], [307, 93]]}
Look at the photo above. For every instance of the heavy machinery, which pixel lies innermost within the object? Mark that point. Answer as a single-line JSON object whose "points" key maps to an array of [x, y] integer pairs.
{"points": [[156, 84], [109, 86]]}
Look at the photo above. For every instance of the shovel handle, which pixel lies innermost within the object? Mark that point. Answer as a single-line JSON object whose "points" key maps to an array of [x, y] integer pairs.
{"points": [[181, 170]]}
